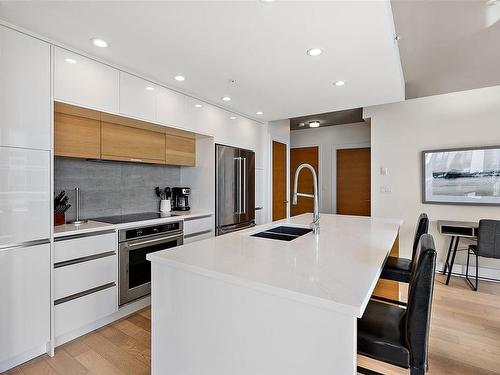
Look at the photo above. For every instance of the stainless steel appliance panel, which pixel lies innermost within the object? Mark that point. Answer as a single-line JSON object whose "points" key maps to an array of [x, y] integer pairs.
{"points": [[247, 209], [235, 189], [134, 276], [227, 185]]}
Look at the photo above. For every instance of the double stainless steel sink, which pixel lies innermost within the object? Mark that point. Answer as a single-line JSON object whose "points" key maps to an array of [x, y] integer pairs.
{"points": [[283, 233]]}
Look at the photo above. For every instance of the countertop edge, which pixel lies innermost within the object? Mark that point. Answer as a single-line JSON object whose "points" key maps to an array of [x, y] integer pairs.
{"points": [[265, 288]]}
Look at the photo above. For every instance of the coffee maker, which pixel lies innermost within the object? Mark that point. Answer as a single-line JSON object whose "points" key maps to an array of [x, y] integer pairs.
{"points": [[180, 198]]}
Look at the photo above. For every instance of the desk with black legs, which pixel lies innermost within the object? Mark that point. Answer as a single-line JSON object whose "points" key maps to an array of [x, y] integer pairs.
{"points": [[456, 230]]}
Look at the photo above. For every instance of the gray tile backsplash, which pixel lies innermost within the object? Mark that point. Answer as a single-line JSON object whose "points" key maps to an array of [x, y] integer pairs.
{"points": [[112, 188]]}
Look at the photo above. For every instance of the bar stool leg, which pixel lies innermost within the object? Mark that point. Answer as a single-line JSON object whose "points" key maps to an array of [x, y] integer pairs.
{"points": [[452, 260], [448, 255]]}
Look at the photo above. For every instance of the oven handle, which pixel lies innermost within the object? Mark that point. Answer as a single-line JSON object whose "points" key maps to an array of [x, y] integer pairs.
{"points": [[146, 242]]}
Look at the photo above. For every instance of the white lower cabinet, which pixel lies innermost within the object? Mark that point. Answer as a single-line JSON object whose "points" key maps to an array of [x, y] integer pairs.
{"points": [[75, 278], [85, 282], [25, 302], [77, 313], [198, 228]]}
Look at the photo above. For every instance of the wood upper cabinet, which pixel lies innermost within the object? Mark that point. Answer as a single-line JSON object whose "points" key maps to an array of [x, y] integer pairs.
{"points": [[77, 132], [180, 148], [120, 142]]}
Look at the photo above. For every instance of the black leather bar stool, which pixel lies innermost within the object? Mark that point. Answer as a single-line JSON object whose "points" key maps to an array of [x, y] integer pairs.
{"points": [[396, 335], [398, 269], [488, 246]]}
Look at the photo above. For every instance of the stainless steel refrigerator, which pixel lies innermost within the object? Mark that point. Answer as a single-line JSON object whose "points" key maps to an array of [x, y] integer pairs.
{"points": [[234, 189]]}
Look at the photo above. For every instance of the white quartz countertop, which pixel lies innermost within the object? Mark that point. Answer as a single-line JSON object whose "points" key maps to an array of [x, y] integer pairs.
{"points": [[96, 226], [337, 269], [88, 227]]}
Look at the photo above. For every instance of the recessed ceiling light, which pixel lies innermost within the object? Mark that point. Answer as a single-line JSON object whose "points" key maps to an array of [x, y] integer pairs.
{"points": [[198, 105], [259, 113], [266, 1], [339, 83], [314, 51], [226, 98], [150, 88], [302, 124], [179, 78], [314, 124], [233, 117], [70, 61], [99, 42]]}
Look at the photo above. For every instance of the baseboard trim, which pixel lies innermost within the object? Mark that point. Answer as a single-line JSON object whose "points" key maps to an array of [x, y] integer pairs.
{"points": [[485, 274], [21, 358], [121, 313]]}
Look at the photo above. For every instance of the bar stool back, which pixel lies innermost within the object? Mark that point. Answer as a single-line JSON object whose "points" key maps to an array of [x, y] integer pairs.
{"points": [[488, 246]]}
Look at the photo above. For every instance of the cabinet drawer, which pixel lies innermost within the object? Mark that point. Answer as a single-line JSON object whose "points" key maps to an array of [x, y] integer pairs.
{"points": [[78, 277], [202, 224], [198, 237], [77, 313], [75, 248]]}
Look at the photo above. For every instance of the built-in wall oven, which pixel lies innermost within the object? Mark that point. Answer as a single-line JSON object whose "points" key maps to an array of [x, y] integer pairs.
{"points": [[134, 277]]}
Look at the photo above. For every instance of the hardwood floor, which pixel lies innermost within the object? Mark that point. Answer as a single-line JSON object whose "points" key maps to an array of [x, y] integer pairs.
{"points": [[465, 340], [122, 347]]}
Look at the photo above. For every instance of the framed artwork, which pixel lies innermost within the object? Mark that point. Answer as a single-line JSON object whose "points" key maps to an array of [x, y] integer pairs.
{"points": [[461, 176]]}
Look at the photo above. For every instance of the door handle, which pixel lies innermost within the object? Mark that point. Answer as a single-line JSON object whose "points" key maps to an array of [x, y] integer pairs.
{"points": [[243, 187]]}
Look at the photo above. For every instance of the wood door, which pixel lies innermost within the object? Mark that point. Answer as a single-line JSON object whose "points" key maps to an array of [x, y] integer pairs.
{"points": [[354, 181], [180, 150], [125, 143], [298, 156], [279, 181], [77, 132]]}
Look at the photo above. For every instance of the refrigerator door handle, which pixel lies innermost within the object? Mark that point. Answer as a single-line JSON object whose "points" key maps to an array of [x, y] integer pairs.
{"points": [[240, 189], [244, 186], [237, 183]]}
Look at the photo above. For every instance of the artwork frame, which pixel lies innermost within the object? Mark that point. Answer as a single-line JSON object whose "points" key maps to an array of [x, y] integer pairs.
{"points": [[461, 176]]}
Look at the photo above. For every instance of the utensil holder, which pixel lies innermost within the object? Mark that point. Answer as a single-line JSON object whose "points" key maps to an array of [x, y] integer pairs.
{"points": [[165, 205]]}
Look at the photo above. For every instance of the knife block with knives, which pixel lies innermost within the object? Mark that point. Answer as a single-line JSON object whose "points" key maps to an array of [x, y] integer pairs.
{"points": [[60, 207]]}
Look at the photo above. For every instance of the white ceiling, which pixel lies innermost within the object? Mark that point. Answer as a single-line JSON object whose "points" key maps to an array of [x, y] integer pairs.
{"points": [[260, 45], [448, 46]]}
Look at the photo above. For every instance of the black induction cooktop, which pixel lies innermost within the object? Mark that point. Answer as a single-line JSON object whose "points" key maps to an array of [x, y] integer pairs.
{"points": [[130, 218]]}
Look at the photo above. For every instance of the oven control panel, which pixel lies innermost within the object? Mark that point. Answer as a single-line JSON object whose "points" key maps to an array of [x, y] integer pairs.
{"points": [[151, 230]]}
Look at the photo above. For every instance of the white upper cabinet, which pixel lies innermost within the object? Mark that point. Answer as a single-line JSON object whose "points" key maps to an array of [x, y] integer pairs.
{"points": [[85, 82], [137, 97], [24, 91], [170, 107]]}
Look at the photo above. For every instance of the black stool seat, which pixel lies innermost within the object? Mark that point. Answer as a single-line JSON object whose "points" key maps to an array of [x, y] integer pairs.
{"points": [[397, 269], [381, 334]]}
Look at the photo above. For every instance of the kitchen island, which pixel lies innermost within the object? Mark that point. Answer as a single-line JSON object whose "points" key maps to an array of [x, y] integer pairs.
{"points": [[238, 304]]}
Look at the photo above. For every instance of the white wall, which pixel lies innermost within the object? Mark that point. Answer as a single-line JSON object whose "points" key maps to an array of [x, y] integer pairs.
{"points": [[400, 131], [329, 139]]}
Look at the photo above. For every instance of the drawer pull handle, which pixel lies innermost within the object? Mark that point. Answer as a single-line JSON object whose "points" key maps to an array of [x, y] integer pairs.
{"points": [[84, 293], [83, 259]]}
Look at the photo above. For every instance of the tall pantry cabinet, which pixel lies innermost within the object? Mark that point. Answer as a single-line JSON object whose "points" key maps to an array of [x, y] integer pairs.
{"points": [[25, 143]]}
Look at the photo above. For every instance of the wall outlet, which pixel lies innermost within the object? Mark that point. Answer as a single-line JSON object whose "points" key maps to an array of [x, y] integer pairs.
{"points": [[384, 171], [385, 189]]}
